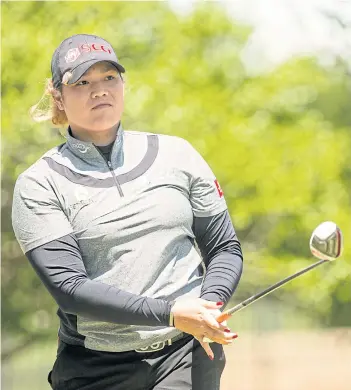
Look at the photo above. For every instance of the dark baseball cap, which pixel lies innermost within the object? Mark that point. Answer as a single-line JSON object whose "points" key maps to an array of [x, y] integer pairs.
{"points": [[77, 54]]}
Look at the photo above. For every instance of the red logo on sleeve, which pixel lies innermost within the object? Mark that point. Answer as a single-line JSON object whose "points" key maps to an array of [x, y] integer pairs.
{"points": [[219, 189]]}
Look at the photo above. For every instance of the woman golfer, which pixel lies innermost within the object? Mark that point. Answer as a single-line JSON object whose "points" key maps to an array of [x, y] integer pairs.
{"points": [[130, 233]]}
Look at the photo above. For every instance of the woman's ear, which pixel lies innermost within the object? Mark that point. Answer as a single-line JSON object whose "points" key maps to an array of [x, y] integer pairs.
{"points": [[59, 103]]}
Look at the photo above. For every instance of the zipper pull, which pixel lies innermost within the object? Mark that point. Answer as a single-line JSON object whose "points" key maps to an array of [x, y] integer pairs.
{"points": [[109, 164]]}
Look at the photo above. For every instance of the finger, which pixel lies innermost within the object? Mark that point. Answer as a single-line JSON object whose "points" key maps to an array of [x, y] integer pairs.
{"points": [[217, 333], [208, 340], [207, 349], [211, 305], [211, 321], [224, 326], [216, 313], [219, 337]]}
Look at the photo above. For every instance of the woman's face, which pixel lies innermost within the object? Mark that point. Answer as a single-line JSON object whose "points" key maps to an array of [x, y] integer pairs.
{"points": [[95, 102]]}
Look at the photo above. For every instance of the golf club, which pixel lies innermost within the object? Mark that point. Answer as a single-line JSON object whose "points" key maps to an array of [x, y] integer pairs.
{"points": [[325, 244]]}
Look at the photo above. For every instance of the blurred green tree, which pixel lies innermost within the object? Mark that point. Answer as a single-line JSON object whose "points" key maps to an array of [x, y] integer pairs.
{"points": [[279, 143]]}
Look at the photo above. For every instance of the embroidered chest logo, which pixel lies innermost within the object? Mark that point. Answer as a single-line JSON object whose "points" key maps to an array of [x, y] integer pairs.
{"points": [[219, 189], [82, 148], [82, 196]]}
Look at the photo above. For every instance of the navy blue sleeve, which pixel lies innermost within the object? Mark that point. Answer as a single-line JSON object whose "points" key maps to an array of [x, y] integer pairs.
{"points": [[222, 255], [60, 267]]}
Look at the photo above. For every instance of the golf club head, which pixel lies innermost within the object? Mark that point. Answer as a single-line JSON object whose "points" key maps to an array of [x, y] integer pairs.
{"points": [[326, 241]]}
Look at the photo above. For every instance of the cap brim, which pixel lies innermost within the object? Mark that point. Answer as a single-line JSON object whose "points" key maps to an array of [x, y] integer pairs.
{"points": [[78, 71]]}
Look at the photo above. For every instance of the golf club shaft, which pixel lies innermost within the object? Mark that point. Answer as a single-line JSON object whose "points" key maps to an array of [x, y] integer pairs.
{"points": [[227, 313]]}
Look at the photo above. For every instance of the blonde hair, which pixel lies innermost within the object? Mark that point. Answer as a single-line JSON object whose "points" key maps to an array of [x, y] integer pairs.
{"points": [[47, 109]]}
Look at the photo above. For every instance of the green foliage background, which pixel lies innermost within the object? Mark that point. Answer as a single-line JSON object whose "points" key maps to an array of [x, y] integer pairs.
{"points": [[279, 144]]}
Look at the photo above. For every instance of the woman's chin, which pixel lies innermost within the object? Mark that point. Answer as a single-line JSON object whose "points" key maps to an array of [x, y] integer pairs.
{"points": [[102, 125]]}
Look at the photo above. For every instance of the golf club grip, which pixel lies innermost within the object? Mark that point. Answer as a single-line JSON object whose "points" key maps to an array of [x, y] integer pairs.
{"points": [[227, 313]]}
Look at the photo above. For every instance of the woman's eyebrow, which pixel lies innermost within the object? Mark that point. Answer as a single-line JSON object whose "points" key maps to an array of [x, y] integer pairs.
{"points": [[108, 68], [103, 70]]}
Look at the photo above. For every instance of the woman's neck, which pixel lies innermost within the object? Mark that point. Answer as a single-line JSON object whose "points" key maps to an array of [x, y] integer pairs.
{"points": [[98, 138]]}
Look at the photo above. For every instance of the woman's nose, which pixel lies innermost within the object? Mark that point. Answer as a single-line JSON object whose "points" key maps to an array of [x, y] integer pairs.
{"points": [[99, 93]]}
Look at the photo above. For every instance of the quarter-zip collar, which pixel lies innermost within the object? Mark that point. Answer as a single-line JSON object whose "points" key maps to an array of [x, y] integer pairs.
{"points": [[88, 151]]}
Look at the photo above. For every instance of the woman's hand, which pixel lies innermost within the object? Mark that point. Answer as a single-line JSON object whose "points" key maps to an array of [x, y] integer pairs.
{"points": [[197, 316]]}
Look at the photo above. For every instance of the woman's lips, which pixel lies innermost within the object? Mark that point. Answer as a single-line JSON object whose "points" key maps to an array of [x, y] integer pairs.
{"points": [[100, 106]]}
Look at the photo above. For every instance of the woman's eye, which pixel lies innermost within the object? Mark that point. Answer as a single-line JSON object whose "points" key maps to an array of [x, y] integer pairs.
{"points": [[83, 82]]}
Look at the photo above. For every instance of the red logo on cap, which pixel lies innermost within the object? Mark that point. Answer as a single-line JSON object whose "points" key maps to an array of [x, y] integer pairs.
{"points": [[219, 189], [74, 53], [86, 47]]}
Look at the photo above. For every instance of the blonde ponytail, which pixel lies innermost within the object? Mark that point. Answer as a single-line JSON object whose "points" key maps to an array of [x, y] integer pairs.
{"points": [[47, 109]]}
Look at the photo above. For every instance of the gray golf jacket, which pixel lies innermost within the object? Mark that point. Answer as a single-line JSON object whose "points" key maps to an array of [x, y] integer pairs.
{"points": [[113, 240]]}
